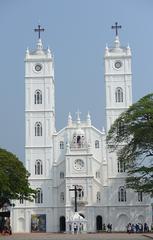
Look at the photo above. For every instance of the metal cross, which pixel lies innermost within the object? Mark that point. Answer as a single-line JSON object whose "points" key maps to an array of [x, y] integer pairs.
{"points": [[116, 27], [39, 29], [75, 189]]}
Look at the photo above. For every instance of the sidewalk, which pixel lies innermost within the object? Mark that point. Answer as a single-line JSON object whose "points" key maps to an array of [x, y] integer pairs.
{"points": [[64, 236], [149, 235]]}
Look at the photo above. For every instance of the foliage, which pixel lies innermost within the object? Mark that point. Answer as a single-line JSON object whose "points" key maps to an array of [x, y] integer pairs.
{"points": [[132, 136], [13, 179]]}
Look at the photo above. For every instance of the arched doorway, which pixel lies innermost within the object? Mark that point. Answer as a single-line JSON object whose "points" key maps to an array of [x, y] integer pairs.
{"points": [[62, 224], [122, 222], [141, 219], [21, 225], [99, 223]]}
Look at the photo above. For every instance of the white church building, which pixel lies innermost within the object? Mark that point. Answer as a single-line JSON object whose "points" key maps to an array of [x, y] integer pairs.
{"points": [[77, 155]]}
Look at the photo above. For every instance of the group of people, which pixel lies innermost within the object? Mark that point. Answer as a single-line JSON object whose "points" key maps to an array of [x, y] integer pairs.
{"points": [[107, 228], [137, 228]]}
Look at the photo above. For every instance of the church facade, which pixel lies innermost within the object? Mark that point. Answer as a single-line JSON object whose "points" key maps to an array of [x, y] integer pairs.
{"points": [[77, 155]]}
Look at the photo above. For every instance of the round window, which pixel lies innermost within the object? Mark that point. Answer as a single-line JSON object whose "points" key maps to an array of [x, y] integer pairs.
{"points": [[118, 64], [38, 67], [79, 164]]}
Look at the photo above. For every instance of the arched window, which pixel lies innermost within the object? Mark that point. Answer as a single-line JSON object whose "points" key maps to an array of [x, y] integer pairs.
{"points": [[61, 145], [96, 144], [38, 129], [140, 197], [122, 194], [21, 200], [119, 94], [39, 196], [62, 197], [38, 97], [121, 166], [38, 167], [97, 174], [61, 175], [98, 197]]}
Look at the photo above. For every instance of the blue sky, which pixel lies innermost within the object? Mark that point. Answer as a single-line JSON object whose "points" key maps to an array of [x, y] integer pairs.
{"points": [[77, 32]]}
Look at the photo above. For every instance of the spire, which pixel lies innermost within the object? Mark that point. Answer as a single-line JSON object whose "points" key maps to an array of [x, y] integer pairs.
{"points": [[39, 43], [117, 41]]}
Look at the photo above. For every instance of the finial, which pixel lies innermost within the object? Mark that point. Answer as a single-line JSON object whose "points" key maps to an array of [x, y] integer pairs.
{"points": [[128, 50], [78, 116], [106, 49], [48, 52], [103, 130], [88, 119], [69, 119], [27, 51]]}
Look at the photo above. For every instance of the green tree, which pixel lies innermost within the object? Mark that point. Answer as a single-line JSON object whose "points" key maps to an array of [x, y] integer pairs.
{"points": [[132, 136], [13, 179]]}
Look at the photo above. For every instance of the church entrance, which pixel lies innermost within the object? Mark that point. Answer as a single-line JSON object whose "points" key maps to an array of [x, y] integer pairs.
{"points": [[99, 223], [62, 224]]}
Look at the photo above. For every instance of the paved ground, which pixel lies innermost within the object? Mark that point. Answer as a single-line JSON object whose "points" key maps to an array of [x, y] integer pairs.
{"points": [[99, 236]]}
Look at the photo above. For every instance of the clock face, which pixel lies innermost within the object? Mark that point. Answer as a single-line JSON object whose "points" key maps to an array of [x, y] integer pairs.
{"points": [[118, 64], [38, 67], [78, 164]]}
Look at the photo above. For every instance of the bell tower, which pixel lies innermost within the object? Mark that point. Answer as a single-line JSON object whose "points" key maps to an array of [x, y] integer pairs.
{"points": [[118, 79], [39, 108]]}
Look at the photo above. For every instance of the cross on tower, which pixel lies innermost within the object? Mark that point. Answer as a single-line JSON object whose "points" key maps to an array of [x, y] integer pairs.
{"points": [[75, 190], [39, 29], [116, 27]]}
